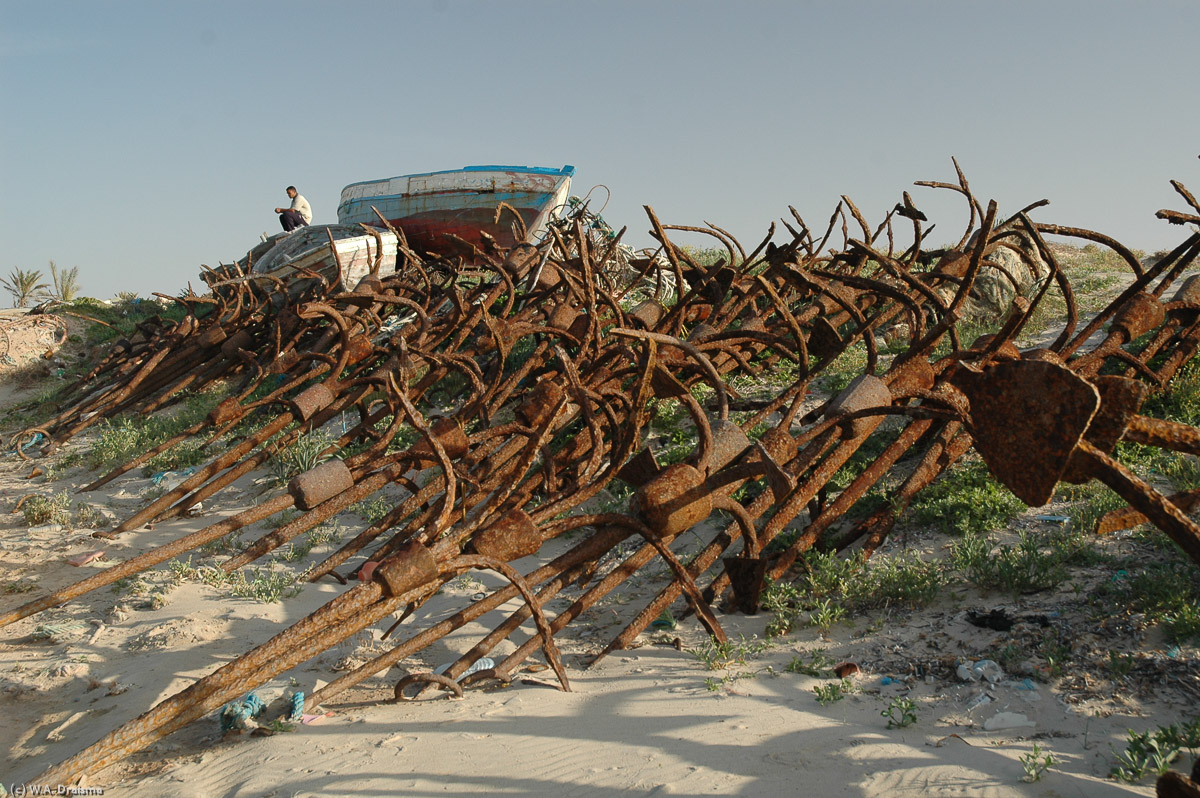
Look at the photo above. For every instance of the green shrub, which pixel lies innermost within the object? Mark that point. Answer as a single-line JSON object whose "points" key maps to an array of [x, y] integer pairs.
{"points": [[966, 499], [54, 509], [1023, 568]]}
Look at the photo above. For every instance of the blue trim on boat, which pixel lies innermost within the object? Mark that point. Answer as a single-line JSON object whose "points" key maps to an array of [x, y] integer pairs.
{"points": [[447, 201], [567, 171]]}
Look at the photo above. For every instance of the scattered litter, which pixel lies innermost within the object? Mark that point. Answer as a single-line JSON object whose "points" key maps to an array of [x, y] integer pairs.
{"points": [[998, 619], [844, 670], [169, 480], [1007, 720], [984, 669], [59, 632], [309, 720], [979, 700], [665, 620], [1054, 519], [110, 688], [481, 664], [942, 741], [85, 559]]}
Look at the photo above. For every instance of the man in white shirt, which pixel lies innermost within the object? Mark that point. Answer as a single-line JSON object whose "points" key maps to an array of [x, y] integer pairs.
{"points": [[299, 214]]}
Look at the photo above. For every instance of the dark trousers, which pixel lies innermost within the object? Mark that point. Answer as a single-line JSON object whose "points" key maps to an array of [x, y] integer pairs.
{"points": [[291, 220]]}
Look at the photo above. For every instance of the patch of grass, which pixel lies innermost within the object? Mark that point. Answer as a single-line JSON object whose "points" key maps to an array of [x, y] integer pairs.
{"points": [[317, 537], [966, 499], [1089, 502], [901, 712], [842, 370], [282, 518], [119, 440], [1167, 592], [88, 516], [1024, 568], [55, 509], [264, 585], [714, 685], [864, 456], [828, 575], [187, 454], [782, 600], [1182, 401], [883, 581], [825, 615], [1037, 762], [305, 453], [833, 691], [121, 316], [818, 665], [1146, 753], [716, 655], [905, 580], [371, 511]]}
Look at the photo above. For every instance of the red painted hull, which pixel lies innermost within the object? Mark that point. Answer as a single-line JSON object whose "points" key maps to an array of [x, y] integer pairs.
{"points": [[429, 231]]}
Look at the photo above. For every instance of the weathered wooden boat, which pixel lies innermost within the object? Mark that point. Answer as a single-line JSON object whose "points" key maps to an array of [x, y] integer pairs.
{"points": [[352, 256], [432, 210], [467, 203]]}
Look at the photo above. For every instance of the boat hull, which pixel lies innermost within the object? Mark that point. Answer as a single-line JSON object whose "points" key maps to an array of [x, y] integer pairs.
{"points": [[349, 259], [470, 204]]}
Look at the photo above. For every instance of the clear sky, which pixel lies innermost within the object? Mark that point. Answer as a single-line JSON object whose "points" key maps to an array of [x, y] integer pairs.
{"points": [[141, 139]]}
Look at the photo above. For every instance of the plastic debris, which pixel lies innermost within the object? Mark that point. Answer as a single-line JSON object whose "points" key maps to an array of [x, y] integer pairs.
{"points": [[984, 669], [86, 559], [979, 700], [846, 669], [1007, 720], [481, 664]]}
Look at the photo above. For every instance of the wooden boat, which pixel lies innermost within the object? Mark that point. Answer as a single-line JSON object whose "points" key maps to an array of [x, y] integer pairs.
{"points": [[459, 202], [431, 209], [307, 249]]}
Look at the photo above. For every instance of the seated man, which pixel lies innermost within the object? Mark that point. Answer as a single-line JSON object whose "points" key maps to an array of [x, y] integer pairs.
{"points": [[299, 214]]}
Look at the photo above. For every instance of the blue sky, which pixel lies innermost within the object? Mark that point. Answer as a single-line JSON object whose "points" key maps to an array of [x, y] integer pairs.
{"points": [[140, 140]]}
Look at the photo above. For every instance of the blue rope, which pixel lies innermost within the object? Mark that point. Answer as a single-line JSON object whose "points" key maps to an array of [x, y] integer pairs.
{"points": [[297, 712], [236, 714], [161, 475], [34, 441]]}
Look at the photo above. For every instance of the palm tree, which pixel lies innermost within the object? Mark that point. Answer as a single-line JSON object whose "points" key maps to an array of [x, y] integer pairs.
{"points": [[66, 283], [24, 286]]}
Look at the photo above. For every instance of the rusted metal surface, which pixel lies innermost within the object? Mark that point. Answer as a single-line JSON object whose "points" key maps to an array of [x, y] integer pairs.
{"points": [[524, 382]]}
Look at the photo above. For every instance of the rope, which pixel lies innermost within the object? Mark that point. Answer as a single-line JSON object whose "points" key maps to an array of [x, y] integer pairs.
{"points": [[236, 714], [34, 441], [297, 710]]}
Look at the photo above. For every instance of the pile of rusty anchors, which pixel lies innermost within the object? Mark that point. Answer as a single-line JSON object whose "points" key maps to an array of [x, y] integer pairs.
{"points": [[530, 438]]}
